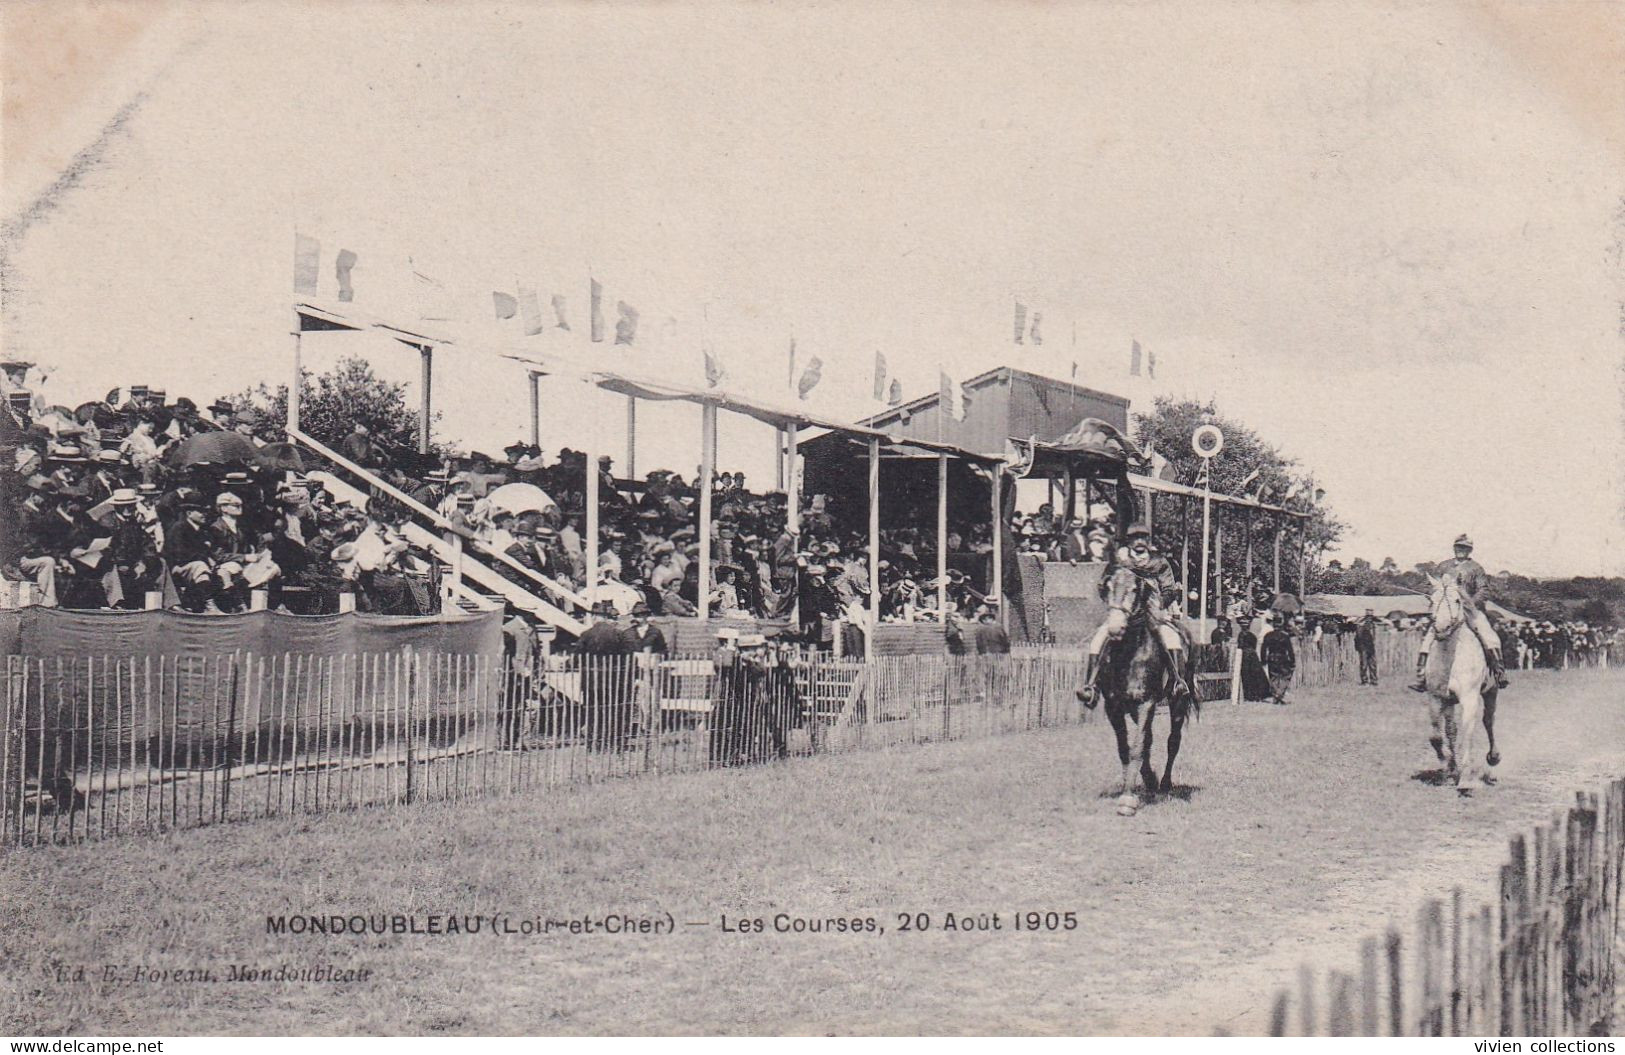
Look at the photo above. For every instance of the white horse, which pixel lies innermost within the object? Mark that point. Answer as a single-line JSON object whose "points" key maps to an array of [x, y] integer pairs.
{"points": [[1461, 693]]}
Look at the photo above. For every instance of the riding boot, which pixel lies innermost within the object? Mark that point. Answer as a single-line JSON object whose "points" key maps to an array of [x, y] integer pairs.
{"points": [[1421, 682], [1182, 688], [1087, 694], [1498, 669]]}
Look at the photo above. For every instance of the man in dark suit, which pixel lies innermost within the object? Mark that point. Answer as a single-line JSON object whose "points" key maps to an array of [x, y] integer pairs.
{"points": [[606, 682], [1365, 645], [990, 636]]}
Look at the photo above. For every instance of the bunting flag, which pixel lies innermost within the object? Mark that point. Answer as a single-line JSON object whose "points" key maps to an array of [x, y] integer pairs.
{"points": [[1032, 331], [530, 311], [1292, 492], [952, 397], [307, 264], [504, 304], [1134, 360], [1245, 480], [1151, 364], [1074, 370], [596, 311], [895, 396], [560, 321], [714, 372], [626, 327], [790, 376], [810, 377], [1021, 321], [343, 264], [880, 375]]}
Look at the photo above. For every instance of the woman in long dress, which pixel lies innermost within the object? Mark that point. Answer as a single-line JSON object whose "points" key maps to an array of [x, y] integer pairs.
{"points": [[1255, 683]]}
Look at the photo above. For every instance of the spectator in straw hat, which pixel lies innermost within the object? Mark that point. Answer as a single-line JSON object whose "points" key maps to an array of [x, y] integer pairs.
{"points": [[132, 552]]}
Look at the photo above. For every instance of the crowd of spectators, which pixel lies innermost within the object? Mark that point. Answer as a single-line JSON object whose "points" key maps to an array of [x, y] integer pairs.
{"points": [[135, 495]]}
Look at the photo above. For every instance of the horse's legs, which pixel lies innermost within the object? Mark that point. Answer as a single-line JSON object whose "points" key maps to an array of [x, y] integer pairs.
{"points": [[1470, 712], [1436, 720], [1176, 729], [1148, 738], [1494, 756], [1114, 714]]}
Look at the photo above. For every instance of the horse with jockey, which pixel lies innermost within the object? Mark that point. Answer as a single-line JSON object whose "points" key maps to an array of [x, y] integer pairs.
{"points": [[1473, 585], [1164, 604]]}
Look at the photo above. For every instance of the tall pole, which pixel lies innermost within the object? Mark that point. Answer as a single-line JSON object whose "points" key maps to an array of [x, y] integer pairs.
{"points": [[426, 352], [1303, 558], [874, 547], [535, 411], [780, 453], [1218, 563], [942, 532], [1207, 514], [591, 490], [708, 466], [298, 375], [631, 437]]}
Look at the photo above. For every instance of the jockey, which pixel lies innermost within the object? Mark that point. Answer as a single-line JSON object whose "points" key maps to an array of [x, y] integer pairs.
{"points": [[1163, 606], [1474, 586]]}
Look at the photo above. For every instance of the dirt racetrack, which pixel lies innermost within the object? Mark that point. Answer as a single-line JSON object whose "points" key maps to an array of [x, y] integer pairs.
{"points": [[1295, 831]]}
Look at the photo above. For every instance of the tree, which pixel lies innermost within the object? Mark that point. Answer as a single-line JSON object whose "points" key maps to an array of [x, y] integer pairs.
{"points": [[1167, 429], [1389, 567], [332, 404]]}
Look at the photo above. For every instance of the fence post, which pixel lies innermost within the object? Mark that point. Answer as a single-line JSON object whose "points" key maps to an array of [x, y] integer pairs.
{"points": [[413, 662]]}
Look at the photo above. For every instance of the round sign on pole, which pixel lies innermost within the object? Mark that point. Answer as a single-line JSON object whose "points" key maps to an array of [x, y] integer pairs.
{"points": [[1207, 441]]}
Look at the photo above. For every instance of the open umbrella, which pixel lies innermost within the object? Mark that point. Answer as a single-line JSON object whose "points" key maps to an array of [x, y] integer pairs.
{"points": [[214, 448], [520, 498], [282, 456]]}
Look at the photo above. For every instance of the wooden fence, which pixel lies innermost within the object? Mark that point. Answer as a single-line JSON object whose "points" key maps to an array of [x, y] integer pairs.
{"points": [[92, 748], [1541, 961]]}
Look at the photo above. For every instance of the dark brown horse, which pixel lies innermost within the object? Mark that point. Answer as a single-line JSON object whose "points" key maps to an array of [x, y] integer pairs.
{"points": [[1135, 677]]}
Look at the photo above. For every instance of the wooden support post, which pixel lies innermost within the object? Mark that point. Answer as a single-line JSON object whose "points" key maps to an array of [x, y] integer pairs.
{"points": [[942, 532], [995, 585], [427, 354], [535, 410], [708, 469], [590, 490], [874, 548], [296, 383], [631, 437], [1184, 554], [1277, 559], [1218, 562]]}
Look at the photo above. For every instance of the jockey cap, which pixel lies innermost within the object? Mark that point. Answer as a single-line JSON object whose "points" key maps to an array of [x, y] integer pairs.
{"points": [[1463, 540]]}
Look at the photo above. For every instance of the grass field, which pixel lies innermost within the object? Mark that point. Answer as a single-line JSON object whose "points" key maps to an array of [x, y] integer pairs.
{"points": [[1294, 832]]}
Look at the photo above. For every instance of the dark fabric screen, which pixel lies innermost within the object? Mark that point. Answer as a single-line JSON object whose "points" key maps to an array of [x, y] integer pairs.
{"points": [[56, 632]]}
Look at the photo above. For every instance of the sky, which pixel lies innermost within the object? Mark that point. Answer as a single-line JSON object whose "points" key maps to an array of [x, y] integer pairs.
{"points": [[1385, 236]]}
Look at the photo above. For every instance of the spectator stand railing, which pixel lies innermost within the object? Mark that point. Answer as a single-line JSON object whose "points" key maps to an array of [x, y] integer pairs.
{"points": [[487, 578]]}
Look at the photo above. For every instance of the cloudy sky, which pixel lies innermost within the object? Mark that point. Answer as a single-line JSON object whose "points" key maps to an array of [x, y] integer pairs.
{"points": [[1388, 236]]}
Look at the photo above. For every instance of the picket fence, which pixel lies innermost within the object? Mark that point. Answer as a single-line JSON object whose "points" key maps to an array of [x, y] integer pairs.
{"points": [[92, 748], [1542, 961]]}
